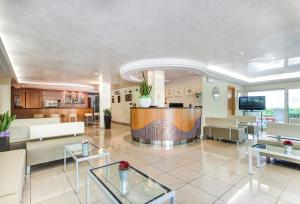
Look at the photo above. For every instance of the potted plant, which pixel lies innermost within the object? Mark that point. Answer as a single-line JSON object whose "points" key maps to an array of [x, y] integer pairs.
{"points": [[123, 173], [198, 96], [107, 118], [5, 122], [288, 146], [145, 90]]}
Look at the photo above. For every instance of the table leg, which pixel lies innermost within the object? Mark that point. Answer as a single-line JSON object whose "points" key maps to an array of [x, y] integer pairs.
{"points": [[250, 170], [106, 168], [258, 160], [172, 199], [76, 179], [87, 189], [65, 158]]}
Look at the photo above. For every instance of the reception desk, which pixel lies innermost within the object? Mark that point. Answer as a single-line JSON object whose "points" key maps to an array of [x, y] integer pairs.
{"points": [[165, 126]]}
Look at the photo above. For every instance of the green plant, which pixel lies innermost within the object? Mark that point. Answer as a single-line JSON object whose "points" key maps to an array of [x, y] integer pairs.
{"points": [[5, 121], [145, 88], [107, 112], [198, 94]]}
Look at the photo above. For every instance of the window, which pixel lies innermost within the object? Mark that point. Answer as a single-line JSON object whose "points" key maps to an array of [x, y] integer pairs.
{"points": [[294, 103], [274, 105]]}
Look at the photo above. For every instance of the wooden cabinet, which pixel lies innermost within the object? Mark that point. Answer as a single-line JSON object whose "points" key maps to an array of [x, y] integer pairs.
{"points": [[33, 98], [19, 98]]}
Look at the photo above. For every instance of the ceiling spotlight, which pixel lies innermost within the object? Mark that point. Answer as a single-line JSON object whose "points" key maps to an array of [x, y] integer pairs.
{"points": [[96, 73], [241, 53]]}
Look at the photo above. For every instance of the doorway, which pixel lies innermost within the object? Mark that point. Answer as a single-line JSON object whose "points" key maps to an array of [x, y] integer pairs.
{"points": [[231, 100]]}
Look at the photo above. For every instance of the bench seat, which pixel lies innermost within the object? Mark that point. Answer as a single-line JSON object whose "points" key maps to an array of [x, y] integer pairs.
{"points": [[12, 172]]}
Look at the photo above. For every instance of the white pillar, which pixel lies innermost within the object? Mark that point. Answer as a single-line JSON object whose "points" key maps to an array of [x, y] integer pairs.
{"points": [[5, 95], [156, 78], [104, 97]]}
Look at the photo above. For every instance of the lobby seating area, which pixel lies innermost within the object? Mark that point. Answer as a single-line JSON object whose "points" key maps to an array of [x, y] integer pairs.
{"points": [[207, 171]]}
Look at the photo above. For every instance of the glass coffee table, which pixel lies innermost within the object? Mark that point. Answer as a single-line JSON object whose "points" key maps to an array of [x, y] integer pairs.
{"points": [[75, 151], [141, 188], [274, 151]]}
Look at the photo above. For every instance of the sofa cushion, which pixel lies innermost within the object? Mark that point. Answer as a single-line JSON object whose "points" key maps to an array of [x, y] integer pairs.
{"points": [[12, 172], [284, 130], [49, 149], [20, 128], [221, 122]]}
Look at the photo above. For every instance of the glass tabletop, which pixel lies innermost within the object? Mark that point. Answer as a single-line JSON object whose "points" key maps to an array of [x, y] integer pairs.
{"points": [[271, 149], [76, 149], [141, 188]]}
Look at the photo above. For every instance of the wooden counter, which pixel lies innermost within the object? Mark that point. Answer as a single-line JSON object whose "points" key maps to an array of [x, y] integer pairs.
{"points": [[23, 113], [165, 125]]}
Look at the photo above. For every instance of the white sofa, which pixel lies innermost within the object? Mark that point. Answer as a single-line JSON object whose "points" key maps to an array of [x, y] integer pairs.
{"points": [[249, 122], [224, 129], [20, 128], [294, 120], [284, 130], [47, 141], [12, 171]]}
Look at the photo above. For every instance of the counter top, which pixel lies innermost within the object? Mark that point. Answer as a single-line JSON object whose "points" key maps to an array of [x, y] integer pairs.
{"points": [[53, 108], [165, 107]]}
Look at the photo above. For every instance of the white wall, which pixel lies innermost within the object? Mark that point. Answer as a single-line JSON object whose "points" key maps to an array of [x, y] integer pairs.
{"points": [[194, 81], [218, 108], [121, 111], [5, 95]]}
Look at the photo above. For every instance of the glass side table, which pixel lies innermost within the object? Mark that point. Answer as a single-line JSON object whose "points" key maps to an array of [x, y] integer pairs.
{"points": [[75, 150], [274, 151], [141, 188]]}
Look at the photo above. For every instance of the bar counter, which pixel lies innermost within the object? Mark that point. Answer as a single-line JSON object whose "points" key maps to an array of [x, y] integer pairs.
{"points": [[23, 113], [166, 126]]}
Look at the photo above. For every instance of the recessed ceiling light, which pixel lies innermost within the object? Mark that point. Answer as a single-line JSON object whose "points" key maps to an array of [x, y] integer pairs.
{"points": [[96, 73], [127, 70], [58, 84], [241, 53]]}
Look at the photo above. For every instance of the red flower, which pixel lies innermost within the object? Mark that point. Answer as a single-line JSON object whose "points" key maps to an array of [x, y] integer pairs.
{"points": [[287, 142], [124, 165]]}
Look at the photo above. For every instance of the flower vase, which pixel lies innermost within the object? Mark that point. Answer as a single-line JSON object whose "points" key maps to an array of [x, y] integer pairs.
{"points": [[124, 186], [85, 149], [288, 149], [4, 141]]}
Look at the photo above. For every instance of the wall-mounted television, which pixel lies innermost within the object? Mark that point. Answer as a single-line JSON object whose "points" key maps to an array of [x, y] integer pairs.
{"points": [[252, 103]]}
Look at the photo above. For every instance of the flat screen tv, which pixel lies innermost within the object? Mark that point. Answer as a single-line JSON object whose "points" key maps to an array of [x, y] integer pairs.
{"points": [[252, 103]]}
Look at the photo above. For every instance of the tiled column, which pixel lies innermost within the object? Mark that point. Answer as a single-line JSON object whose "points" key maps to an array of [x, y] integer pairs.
{"points": [[104, 98], [156, 78]]}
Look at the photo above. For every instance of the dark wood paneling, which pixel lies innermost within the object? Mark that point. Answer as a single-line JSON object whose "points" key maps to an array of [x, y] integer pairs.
{"points": [[33, 98]]}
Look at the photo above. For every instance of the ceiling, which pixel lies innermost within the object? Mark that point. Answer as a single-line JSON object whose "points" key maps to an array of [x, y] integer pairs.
{"points": [[75, 41]]}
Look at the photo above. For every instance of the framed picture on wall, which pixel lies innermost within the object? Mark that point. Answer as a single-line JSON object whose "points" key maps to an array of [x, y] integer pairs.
{"points": [[169, 92], [189, 91], [112, 99], [178, 92], [119, 99], [128, 97]]}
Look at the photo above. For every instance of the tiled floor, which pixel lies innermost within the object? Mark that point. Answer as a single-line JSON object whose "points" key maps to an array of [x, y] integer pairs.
{"points": [[201, 172]]}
